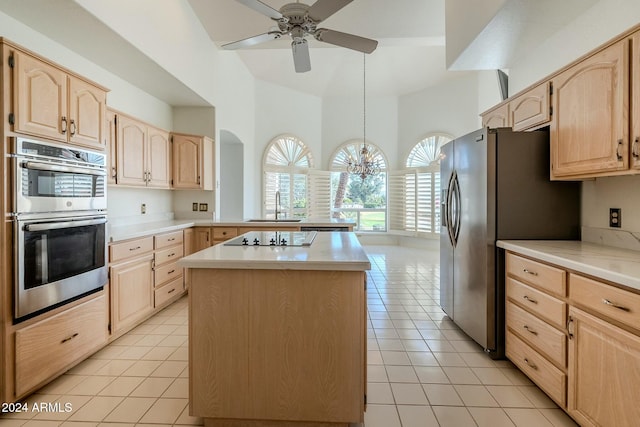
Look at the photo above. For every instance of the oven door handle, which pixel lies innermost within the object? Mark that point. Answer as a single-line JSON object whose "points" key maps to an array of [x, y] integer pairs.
{"points": [[65, 224], [61, 168]]}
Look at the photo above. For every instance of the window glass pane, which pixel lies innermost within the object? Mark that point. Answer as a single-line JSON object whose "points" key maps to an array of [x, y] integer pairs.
{"points": [[364, 201]]}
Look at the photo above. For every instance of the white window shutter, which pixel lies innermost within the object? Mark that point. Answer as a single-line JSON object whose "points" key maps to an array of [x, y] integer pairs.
{"points": [[319, 194]]}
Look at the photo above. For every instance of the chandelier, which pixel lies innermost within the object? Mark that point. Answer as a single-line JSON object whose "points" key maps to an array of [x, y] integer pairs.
{"points": [[365, 164]]}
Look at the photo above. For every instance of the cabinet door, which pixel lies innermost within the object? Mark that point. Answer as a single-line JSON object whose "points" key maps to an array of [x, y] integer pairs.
{"points": [[158, 167], [202, 238], [635, 101], [187, 161], [604, 372], [132, 292], [590, 130], [132, 146], [497, 118], [86, 114], [111, 147], [531, 109], [40, 98]]}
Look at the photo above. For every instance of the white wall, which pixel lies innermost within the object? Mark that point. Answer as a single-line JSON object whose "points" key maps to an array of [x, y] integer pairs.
{"points": [[281, 110], [450, 108], [602, 22], [342, 120], [605, 20]]}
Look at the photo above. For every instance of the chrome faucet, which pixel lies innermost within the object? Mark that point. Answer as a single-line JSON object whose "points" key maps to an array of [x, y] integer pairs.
{"points": [[277, 204]]}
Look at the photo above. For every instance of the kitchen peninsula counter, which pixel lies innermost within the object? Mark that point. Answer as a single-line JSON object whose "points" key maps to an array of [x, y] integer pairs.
{"points": [[277, 335], [609, 263]]}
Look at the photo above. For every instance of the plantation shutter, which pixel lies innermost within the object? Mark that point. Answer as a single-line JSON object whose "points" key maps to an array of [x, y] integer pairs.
{"points": [[319, 194]]}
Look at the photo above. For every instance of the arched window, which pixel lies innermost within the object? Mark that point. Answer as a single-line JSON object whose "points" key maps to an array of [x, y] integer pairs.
{"points": [[364, 201], [427, 152], [286, 163], [415, 191]]}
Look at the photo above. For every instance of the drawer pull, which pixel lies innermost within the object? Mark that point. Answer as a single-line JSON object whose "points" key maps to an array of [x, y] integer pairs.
{"points": [[530, 364], [69, 338], [528, 329], [172, 271], [172, 290], [533, 273], [614, 305], [531, 300], [134, 249], [170, 255]]}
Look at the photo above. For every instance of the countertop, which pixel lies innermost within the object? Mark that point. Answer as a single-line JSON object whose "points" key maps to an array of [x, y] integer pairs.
{"points": [[329, 251], [605, 262], [124, 232]]}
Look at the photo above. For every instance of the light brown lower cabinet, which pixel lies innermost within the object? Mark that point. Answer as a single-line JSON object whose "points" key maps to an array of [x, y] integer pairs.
{"points": [[604, 364], [276, 346], [131, 292], [46, 348], [590, 366]]}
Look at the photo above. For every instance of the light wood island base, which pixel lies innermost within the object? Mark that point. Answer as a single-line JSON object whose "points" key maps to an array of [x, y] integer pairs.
{"points": [[277, 347]]}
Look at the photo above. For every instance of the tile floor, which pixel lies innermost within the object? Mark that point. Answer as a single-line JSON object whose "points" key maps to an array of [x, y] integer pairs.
{"points": [[423, 371]]}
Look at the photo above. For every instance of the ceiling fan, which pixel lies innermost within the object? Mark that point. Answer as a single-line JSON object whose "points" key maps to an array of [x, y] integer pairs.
{"points": [[299, 20]]}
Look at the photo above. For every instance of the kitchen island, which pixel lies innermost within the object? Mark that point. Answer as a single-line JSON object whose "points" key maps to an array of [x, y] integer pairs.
{"points": [[277, 334]]}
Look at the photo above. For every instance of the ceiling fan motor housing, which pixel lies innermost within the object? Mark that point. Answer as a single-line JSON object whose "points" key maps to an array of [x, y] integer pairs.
{"points": [[296, 21]]}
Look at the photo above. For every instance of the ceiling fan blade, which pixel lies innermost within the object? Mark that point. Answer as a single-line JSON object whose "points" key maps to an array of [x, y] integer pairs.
{"points": [[262, 8], [322, 9], [251, 41], [301, 59], [350, 41]]}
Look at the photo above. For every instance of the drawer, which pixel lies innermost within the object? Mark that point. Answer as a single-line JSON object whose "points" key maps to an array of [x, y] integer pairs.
{"points": [[549, 378], [224, 233], [544, 276], [48, 347], [538, 333], [165, 273], [543, 305], [168, 239], [130, 248], [168, 291], [615, 303], [170, 254]]}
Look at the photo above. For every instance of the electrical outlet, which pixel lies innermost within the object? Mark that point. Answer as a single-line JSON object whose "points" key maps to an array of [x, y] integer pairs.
{"points": [[204, 207], [143, 208], [194, 207], [615, 217]]}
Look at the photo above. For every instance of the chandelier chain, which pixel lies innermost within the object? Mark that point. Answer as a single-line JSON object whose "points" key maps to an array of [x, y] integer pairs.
{"points": [[366, 162]]}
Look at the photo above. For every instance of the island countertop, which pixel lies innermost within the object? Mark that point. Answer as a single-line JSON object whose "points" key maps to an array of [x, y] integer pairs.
{"points": [[340, 251]]}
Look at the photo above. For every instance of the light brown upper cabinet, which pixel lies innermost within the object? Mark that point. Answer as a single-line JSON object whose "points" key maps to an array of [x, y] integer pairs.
{"points": [[590, 128], [142, 154], [635, 101], [531, 109], [497, 117], [192, 162], [52, 103]]}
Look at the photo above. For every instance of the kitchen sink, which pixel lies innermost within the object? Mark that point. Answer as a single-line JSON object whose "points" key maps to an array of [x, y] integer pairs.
{"points": [[274, 220]]}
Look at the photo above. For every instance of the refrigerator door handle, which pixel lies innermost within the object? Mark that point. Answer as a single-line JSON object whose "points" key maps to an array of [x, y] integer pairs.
{"points": [[456, 210], [451, 211]]}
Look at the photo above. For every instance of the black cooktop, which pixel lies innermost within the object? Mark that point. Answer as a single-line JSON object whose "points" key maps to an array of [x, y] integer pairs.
{"points": [[273, 238]]}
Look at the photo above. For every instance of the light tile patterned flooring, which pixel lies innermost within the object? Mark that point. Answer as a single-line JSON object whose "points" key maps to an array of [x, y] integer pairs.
{"points": [[423, 371]]}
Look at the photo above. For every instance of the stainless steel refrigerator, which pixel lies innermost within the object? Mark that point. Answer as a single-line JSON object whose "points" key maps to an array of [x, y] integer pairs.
{"points": [[495, 186]]}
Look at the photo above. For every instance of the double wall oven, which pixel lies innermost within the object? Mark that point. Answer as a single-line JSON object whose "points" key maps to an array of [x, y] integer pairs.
{"points": [[60, 216]]}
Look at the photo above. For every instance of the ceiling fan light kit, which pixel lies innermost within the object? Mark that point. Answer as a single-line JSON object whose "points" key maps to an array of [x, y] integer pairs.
{"points": [[298, 20]]}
